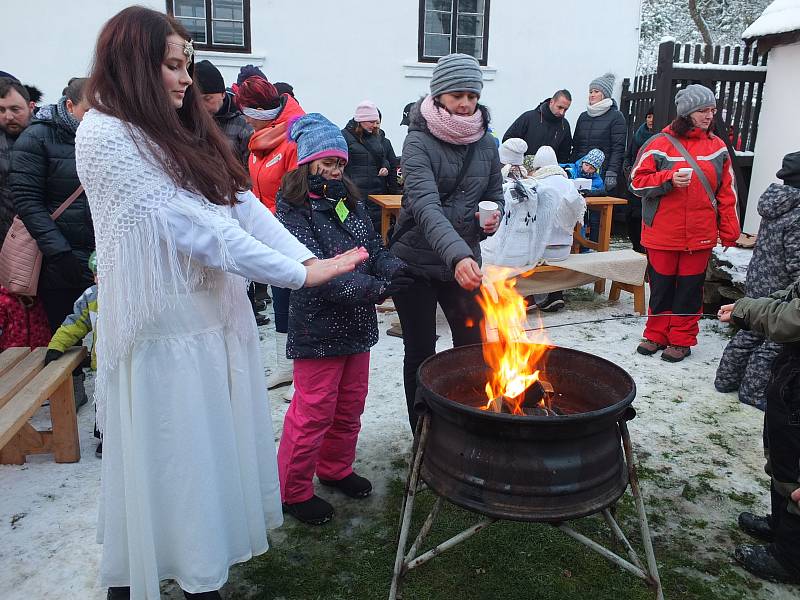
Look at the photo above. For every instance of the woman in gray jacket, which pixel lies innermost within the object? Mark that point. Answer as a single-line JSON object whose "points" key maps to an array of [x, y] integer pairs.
{"points": [[449, 164]]}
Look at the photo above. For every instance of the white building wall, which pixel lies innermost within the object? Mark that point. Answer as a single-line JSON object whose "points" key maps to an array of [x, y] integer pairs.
{"points": [[337, 54], [778, 126]]}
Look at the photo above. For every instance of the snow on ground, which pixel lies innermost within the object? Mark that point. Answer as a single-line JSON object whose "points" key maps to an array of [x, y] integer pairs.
{"points": [[734, 261], [691, 436]]}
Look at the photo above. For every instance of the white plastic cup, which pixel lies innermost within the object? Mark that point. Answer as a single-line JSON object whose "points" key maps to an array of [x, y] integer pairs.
{"points": [[687, 171], [486, 209]]}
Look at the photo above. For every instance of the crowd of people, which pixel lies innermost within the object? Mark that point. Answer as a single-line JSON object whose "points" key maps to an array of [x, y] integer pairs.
{"points": [[173, 192]]}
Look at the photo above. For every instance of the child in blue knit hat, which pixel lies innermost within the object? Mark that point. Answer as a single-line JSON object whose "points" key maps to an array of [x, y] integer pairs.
{"points": [[333, 326], [588, 167]]}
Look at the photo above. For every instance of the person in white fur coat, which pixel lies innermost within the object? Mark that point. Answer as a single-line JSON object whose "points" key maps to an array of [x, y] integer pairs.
{"points": [[541, 213]]}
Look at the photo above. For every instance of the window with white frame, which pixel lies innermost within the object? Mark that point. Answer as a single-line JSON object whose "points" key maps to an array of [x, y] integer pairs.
{"points": [[447, 26], [222, 25]]}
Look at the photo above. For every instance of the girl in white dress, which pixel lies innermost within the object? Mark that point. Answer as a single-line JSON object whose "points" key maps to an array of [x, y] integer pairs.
{"points": [[189, 479]]}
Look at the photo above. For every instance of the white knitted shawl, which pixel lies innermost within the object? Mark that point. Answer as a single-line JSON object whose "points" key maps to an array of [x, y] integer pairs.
{"points": [[139, 270]]}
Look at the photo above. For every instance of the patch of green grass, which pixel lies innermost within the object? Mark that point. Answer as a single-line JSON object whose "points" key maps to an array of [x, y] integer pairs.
{"points": [[721, 441], [691, 492], [352, 558], [743, 498]]}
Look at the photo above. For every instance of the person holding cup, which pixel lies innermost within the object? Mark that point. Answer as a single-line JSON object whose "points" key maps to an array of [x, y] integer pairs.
{"points": [[687, 205], [450, 164]]}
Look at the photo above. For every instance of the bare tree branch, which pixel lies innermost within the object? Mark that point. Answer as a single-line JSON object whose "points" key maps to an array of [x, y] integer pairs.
{"points": [[698, 19]]}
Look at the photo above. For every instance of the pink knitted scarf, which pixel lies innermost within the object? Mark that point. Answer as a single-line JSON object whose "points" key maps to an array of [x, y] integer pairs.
{"points": [[453, 129]]}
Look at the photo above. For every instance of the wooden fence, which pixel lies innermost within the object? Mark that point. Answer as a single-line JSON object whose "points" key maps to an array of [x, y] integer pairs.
{"points": [[735, 73]]}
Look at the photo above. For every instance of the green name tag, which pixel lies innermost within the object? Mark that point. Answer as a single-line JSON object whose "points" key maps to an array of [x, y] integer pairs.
{"points": [[341, 210]]}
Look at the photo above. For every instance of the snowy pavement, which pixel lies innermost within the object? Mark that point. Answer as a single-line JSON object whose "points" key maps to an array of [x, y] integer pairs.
{"points": [[690, 435]]}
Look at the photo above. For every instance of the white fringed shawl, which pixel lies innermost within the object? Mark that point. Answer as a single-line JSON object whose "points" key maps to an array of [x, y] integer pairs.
{"points": [[139, 270]]}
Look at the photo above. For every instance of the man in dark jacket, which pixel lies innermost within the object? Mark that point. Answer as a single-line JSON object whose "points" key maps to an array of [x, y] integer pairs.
{"points": [[16, 110], [42, 177], [219, 104], [546, 125]]}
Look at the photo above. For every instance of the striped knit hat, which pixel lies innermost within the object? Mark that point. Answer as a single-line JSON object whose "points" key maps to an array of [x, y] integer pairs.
{"points": [[456, 73], [694, 97], [316, 137]]}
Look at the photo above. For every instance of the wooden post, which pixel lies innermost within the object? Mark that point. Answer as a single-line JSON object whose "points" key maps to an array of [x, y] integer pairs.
{"points": [[66, 445], [663, 84]]}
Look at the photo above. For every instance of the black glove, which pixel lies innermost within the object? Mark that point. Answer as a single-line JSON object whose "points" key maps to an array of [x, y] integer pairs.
{"points": [[413, 272], [401, 280], [52, 355], [611, 181], [70, 268]]}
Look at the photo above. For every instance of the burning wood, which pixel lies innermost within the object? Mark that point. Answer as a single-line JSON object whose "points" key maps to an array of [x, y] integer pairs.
{"points": [[515, 358]]}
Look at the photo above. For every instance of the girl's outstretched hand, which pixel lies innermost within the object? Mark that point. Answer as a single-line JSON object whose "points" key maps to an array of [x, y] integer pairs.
{"points": [[321, 271]]}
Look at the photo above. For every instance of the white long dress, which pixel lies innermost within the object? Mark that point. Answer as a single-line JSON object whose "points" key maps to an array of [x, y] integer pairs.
{"points": [[189, 477]]}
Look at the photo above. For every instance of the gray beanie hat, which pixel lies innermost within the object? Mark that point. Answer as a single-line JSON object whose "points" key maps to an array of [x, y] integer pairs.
{"points": [[694, 97], [456, 73], [605, 84]]}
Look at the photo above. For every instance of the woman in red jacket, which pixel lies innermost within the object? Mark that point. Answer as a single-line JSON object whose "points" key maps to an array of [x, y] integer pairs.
{"points": [[681, 221], [272, 155]]}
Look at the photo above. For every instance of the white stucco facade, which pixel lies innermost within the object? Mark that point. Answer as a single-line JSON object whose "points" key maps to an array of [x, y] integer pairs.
{"points": [[337, 54], [778, 127]]}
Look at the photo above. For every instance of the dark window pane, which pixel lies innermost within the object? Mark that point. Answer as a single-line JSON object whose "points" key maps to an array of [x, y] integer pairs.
{"points": [[470, 6], [470, 45], [196, 28], [446, 5], [190, 8], [437, 22], [437, 45], [227, 33], [228, 9], [468, 25]]}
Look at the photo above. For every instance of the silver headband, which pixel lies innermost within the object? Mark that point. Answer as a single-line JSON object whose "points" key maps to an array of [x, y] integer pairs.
{"points": [[262, 114], [187, 47]]}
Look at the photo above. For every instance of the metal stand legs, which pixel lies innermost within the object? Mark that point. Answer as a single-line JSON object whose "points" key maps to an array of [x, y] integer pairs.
{"points": [[405, 561]]}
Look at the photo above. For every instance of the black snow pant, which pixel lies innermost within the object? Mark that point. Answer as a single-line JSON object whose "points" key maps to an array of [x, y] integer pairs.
{"points": [[416, 307], [782, 433], [745, 366], [633, 221]]}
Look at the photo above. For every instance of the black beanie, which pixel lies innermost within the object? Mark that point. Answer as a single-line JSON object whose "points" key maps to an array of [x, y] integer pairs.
{"points": [[208, 78], [790, 170]]}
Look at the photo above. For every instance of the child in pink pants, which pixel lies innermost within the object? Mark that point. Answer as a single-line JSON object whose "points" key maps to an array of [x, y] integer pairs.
{"points": [[331, 327]]}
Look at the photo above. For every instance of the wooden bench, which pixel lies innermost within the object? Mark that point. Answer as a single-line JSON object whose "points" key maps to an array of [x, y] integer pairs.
{"points": [[25, 384]]}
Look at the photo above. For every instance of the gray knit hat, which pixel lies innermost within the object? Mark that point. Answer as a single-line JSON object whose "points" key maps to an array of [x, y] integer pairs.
{"points": [[456, 73], [694, 97], [605, 84]]}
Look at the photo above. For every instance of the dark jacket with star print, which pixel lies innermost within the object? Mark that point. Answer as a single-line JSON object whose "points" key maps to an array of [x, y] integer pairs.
{"points": [[337, 318]]}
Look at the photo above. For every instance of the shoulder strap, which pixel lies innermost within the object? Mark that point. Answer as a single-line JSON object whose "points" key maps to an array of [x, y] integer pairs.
{"points": [[65, 205], [409, 225], [697, 170]]}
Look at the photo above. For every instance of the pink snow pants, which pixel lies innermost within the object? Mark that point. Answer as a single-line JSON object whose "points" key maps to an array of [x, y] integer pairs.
{"points": [[321, 427]]}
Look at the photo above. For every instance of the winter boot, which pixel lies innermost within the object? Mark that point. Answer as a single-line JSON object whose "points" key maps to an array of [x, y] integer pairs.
{"points": [[314, 511], [353, 485], [761, 562], [756, 526], [649, 347], [675, 354], [283, 373]]}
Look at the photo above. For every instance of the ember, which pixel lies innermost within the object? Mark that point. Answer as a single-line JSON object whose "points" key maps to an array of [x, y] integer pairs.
{"points": [[515, 358]]}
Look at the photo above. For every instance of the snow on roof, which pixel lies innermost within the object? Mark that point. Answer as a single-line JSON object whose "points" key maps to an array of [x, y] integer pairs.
{"points": [[782, 16]]}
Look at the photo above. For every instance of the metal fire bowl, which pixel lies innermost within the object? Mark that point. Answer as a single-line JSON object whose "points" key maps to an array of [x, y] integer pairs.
{"points": [[526, 468]]}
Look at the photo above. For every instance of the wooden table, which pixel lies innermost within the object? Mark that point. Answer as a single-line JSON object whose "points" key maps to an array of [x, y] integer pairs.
{"points": [[390, 205]]}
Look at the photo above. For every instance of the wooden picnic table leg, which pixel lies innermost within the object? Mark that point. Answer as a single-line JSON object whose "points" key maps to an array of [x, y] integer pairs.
{"points": [[385, 220], [603, 240], [66, 443]]}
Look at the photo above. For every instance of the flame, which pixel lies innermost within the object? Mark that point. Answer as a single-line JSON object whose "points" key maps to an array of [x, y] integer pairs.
{"points": [[514, 353]]}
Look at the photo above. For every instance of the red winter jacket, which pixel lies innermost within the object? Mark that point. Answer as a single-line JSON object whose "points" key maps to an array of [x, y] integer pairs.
{"points": [[23, 322], [685, 218], [273, 154]]}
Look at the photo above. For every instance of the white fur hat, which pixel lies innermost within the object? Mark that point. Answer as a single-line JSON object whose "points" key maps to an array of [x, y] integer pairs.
{"points": [[545, 156], [512, 151]]}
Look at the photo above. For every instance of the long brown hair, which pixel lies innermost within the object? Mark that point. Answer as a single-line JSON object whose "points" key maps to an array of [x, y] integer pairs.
{"points": [[294, 187], [126, 83], [682, 125]]}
